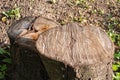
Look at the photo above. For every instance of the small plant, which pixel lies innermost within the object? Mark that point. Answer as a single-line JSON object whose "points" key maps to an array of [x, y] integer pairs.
{"points": [[112, 24], [114, 36], [116, 67], [3, 69], [14, 13], [4, 60], [82, 3], [62, 22], [118, 1], [78, 19], [101, 12], [117, 55]]}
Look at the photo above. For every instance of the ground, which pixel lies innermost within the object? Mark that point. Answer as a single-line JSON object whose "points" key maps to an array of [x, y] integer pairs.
{"points": [[100, 13]]}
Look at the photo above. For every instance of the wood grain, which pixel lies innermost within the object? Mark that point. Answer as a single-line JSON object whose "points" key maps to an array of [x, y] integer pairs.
{"points": [[75, 45]]}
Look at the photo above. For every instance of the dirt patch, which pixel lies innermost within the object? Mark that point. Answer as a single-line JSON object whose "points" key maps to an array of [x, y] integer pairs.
{"points": [[85, 12]]}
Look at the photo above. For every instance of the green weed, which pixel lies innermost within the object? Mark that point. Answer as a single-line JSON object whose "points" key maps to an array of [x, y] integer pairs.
{"points": [[116, 67], [118, 1], [82, 3], [117, 55], [14, 13], [113, 23], [4, 60]]}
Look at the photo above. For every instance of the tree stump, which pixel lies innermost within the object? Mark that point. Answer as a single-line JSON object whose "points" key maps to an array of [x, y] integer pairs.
{"points": [[68, 52], [27, 64]]}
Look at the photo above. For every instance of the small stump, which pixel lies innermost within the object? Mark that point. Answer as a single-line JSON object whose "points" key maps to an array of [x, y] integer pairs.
{"points": [[68, 52]]}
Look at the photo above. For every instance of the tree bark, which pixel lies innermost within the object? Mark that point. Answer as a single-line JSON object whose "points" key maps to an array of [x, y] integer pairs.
{"points": [[27, 64], [68, 52]]}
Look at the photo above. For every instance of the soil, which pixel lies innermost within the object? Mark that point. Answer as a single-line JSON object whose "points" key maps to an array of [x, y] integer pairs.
{"points": [[85, 12]]}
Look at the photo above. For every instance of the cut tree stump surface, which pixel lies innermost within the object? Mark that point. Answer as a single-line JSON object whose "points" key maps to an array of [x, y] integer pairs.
{"points": [[75, 45]]}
